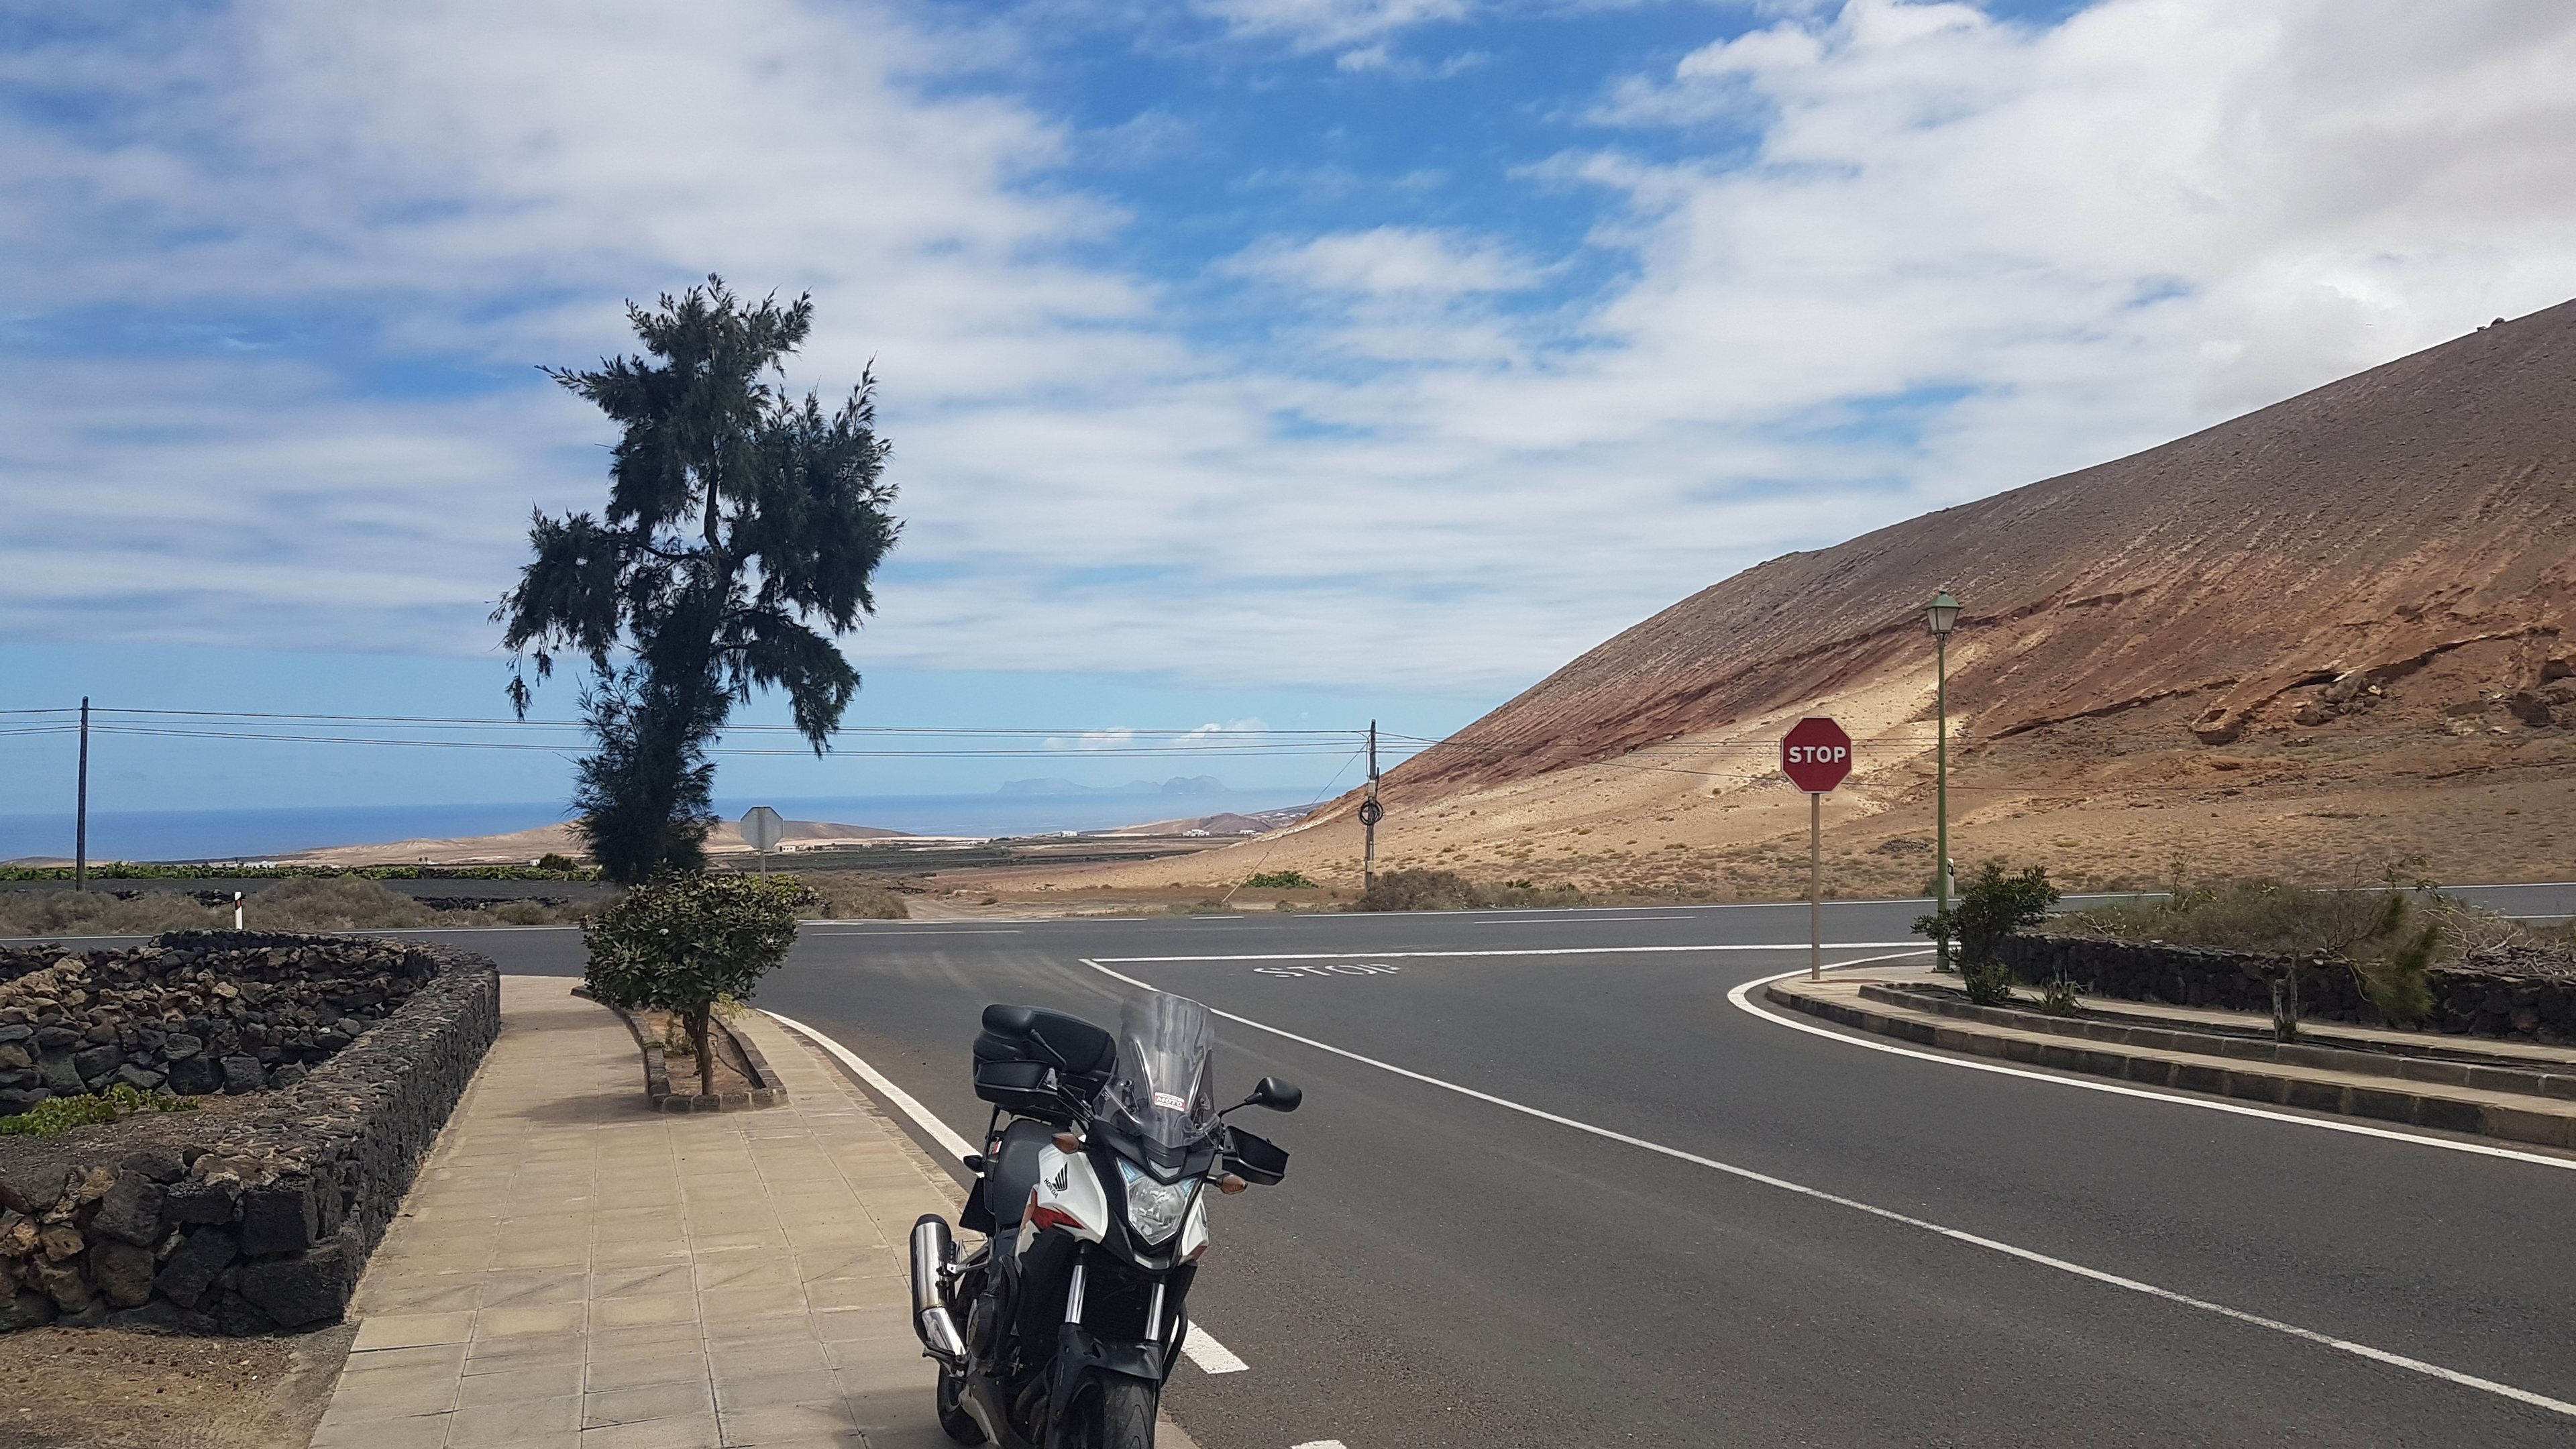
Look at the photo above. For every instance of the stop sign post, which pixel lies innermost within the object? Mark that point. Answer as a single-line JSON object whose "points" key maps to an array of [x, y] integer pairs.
{"points": [[761, 828], [1816, 755]]}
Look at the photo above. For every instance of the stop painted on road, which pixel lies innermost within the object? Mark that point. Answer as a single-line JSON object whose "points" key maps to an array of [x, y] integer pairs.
{"points": [[1341, 968]]}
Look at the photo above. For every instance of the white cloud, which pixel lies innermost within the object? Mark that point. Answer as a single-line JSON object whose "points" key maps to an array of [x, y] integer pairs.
{"points": [[1327, 24], [2044, 246], [1388, 261]]}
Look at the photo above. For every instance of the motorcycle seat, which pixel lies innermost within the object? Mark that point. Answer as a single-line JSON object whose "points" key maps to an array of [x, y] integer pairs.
{"points": [[1014, 1172]]}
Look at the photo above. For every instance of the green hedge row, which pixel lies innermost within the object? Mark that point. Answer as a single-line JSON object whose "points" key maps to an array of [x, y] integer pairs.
{"points": [[129, 870]]}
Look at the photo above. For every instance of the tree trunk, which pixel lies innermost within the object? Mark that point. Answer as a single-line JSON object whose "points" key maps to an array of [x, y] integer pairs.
{"points": [[706, 1059], [2285, 1005]]}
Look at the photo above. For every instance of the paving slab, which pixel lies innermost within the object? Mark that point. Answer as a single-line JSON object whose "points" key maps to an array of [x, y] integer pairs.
{"points": [[575, 1269]]}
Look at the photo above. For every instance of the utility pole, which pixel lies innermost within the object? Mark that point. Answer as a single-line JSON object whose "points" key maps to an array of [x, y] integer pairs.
{"points": [[1941, 616], [80, 816], [1371, 813]]}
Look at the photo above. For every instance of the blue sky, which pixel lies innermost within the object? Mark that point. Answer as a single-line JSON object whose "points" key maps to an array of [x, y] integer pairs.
{"points": [[1289, 361]]}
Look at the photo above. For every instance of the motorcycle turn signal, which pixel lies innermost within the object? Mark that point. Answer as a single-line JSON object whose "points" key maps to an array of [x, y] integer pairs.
{"points": [[1067, 1143], [1231, 1184]]}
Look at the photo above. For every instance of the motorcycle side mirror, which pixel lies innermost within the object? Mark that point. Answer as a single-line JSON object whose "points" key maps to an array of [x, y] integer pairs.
{"points": [[1272, 1093]]}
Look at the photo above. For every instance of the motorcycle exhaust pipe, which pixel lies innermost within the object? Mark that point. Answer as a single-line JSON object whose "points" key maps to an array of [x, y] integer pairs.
{"points": [[932, 1252]]}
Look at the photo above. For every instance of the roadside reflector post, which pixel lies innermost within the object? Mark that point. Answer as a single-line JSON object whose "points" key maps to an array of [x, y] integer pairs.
{"points": [[237, 914], [1815, 755]]}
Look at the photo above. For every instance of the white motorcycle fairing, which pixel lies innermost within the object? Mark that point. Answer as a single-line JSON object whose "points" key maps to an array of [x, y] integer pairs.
{"points": [[1068, 1195]]}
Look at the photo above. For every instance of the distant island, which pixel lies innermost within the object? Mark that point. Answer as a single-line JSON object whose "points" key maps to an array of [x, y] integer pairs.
{"points": [[1177, 785]]}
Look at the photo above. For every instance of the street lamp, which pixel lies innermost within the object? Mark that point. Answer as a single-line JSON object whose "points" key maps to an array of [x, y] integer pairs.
{"points": [[1942, 614]]}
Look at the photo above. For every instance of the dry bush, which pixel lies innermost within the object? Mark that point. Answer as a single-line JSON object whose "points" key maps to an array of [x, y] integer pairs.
{"points": [[96, 913], [849, 895], [301, 903], [334, 903], [1446, 890], [2257, 914]]}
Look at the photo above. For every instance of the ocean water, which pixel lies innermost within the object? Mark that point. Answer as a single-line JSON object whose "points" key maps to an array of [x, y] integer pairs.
{"points": [[251, 834]]}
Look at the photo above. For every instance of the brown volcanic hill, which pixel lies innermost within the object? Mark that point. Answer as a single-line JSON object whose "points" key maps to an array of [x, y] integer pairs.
{"points": [[2327, 632], [2359, 529]]}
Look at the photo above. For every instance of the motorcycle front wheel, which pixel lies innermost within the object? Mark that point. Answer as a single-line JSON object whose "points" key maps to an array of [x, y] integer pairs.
{"points": [[1122, 1414]]}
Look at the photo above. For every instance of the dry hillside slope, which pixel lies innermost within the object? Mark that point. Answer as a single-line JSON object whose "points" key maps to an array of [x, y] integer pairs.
{"points": [[2328, 632], [2360, 529]]}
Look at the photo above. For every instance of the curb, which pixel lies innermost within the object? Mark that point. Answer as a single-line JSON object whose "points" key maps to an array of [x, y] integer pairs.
{"points": [[658, 1092], [2483, 1074], [2546, 1123]]}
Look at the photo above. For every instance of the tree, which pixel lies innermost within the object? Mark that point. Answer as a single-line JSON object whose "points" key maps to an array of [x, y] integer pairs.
{"points": [[680, 943], [742, 529]]}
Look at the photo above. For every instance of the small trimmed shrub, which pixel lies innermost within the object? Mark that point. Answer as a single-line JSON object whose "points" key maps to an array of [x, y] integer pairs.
{"points": [[1991, 906], [1989, 984], [1280, 880], [685, 943]]}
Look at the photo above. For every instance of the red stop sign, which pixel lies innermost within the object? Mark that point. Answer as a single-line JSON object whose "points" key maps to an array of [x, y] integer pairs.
{"points": [[1816, 754]]}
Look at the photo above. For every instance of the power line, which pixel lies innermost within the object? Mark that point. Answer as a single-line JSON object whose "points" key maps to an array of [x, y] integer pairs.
{"points": [[1174, 750], [1201, 731]]}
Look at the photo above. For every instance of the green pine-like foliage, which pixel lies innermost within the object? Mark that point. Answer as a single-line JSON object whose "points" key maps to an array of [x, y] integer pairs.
{"points": [[742, 528]]}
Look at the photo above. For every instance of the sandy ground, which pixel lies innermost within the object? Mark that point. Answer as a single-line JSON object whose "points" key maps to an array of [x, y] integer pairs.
{"points": [[2433, 773], [110, 1389]]}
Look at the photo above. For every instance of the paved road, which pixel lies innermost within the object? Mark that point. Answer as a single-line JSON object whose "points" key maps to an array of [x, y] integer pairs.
{"points": [[1442, 1269]]}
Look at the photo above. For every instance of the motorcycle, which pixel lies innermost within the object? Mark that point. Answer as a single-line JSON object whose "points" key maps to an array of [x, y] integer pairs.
{"points": [[1060, 1329]]}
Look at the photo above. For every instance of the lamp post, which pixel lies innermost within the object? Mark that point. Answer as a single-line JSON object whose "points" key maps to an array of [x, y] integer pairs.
{"points": [[1942, 614]]}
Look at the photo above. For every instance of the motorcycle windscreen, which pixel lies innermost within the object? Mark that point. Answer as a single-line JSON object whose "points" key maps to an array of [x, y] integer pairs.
{"points": [[1162, 1088]]}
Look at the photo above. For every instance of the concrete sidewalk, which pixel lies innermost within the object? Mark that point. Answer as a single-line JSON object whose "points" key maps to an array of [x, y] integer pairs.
{"points": [[573, 1269]]}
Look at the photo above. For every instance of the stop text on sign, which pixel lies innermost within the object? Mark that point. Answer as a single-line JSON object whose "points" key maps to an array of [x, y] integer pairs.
{"points": [[1816, 754]]}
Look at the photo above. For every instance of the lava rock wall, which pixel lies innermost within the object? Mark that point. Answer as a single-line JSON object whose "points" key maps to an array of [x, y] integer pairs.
{"points": [[2511, 992], [259, 1218], [200, 1012]]}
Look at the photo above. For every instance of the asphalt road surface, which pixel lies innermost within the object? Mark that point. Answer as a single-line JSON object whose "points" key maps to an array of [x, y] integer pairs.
{"points": [[1552, 1185]]}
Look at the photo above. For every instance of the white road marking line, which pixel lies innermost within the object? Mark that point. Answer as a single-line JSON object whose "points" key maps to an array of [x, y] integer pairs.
{"points": [[1212, 1357], [977, 931], [1320, 1444], [1520, 951], [1201, 1346], [1546, 918], [1741, 997], [940, 1132], [2114, 1280]]}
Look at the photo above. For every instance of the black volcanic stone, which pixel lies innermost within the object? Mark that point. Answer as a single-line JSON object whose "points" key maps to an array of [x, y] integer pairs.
{"points": [[194, 1076], [300, 1290], [198, 1200], [98, 1062], [278, 1217], [192, 1269]]}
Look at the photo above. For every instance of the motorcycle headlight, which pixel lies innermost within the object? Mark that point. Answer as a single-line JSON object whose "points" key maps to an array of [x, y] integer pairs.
{"points": [[1155, 1209]]}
